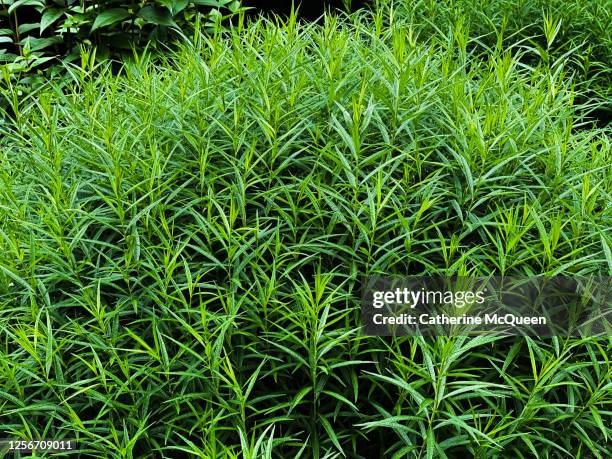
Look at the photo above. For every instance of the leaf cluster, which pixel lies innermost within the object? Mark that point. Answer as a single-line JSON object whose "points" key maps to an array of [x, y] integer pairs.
{"points": [[35, 32]]}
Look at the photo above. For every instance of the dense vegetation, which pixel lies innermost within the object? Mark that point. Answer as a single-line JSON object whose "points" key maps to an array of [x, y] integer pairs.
{"points": [[551, 31], [35, 32], [182, 243]]}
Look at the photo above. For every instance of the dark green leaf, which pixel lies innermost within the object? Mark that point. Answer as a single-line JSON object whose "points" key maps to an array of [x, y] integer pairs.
{"points": [[174, 6], [19, 3], [157, 16], [109, 17], [39, 43], [25, 28], [49, 17], [213, 3]]}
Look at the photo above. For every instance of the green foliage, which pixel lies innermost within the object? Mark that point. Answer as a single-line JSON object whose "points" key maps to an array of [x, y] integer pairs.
{"points": [[36, 31], [576, 31], [181, 247]]}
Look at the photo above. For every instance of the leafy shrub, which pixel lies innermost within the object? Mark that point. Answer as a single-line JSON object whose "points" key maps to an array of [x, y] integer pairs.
{"points": [[557, 29], [181, 248], [36, 31]]}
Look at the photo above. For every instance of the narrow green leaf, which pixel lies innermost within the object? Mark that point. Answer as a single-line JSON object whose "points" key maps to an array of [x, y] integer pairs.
{"points": [[330, 431]]}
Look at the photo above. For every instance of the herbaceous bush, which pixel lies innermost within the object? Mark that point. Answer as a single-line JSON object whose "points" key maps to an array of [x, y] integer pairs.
{"points": [[182, 245], [34, 32], [575, 32]]}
